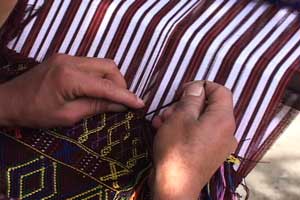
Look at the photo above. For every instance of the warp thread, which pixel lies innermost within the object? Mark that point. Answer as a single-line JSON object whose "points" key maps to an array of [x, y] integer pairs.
{"points": [[13, 64]]}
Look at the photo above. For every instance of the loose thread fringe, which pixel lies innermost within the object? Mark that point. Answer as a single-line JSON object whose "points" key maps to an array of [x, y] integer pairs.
{"points": [[224, 183]]}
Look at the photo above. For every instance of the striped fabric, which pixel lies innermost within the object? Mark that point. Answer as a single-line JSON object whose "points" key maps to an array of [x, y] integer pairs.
{"points": [[251, 47]]}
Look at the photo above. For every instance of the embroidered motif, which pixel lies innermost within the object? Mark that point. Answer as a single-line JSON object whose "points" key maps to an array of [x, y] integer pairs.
{"points": [[117, 162], [45, 180]]}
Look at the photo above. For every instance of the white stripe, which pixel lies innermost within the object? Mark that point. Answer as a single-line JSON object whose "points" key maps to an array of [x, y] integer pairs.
{"points": [[102, 27], [230, 42], [274, 123], [132, 25], [13, 42], [44, 28], [194, 44], [233, 25], [53, 30], [180, 48], [24, 35], [84, 26], [167, 30], [250, 65], [114, 27], [275, 21], [138, 37], [67, 40], [261, 85]]}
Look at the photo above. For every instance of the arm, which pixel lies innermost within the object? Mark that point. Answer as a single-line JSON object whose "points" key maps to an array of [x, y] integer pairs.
{"points": [[193, 140], [6, 6]]}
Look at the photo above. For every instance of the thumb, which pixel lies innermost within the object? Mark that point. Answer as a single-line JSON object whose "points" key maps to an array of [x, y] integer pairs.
{"points": [[192, 101]]}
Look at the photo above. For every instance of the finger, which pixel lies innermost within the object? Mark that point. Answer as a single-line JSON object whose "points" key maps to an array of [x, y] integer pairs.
{"points": [[89, 86], [168, 112], [157, 122], [219, 109], [185, 85], [106, 68], [218, 97], [82, 108], [191, 103]]}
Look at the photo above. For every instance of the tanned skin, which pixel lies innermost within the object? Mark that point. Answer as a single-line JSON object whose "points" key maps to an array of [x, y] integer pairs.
{"points": [[6, 6]]}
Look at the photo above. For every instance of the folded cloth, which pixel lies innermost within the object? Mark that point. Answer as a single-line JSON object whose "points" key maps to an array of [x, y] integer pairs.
{"points": [[251, 47], [106, 156]]}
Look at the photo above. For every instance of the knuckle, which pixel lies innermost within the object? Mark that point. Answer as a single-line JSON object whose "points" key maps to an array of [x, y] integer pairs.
{"points": [[112, 64], [61, 75], [62, 70], [188, 105], [106, 85], [186, 120], [58, 59], [181, 116], [97, 105]]}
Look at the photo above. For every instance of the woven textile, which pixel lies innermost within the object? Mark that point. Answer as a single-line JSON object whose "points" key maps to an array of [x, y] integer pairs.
{"points": [[102, 157], [251, 47]]}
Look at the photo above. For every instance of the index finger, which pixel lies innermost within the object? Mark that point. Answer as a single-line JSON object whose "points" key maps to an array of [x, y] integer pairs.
{"points": [[89, 86]]}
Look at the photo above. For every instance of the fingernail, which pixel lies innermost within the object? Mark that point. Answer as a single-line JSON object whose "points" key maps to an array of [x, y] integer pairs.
{"points": [[116, 108], [140, 101], [195, 89]]}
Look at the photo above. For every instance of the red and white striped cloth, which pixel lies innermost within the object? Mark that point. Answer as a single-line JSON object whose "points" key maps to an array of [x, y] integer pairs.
{"points": [[251, 47]]}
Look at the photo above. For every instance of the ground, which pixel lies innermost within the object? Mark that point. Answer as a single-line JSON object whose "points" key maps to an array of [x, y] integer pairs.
{"points": [[280, 177]]}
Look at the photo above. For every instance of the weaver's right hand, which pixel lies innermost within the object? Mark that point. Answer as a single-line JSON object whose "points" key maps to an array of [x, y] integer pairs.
{"points": [[192, 141]]}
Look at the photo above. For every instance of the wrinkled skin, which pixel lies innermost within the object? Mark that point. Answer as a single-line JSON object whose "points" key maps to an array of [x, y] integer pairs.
{"points": [[63, 90], [192, 141]]}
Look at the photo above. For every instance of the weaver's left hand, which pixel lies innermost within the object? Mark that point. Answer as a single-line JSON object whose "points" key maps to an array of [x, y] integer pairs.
{"points": [[63, 90]]}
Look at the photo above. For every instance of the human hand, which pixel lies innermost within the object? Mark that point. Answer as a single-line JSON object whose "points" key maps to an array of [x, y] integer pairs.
{"points": [[6, 8], [64, 90], [192, 141]]}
